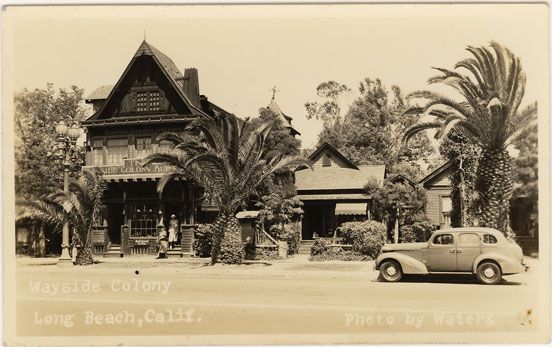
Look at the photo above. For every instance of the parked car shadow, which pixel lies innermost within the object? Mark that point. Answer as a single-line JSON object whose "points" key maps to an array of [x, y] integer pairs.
{"points": [[447, 278]]}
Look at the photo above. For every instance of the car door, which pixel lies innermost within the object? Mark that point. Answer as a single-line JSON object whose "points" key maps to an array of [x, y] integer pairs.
{"points": [[441, 253], [468, 247]]}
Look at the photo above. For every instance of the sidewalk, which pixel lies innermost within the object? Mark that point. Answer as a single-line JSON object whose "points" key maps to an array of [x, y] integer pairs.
{"points": [[294, 267], [297, 267]]}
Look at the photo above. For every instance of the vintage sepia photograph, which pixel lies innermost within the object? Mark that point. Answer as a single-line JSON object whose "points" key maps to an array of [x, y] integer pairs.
{"points": [[275, 174]]}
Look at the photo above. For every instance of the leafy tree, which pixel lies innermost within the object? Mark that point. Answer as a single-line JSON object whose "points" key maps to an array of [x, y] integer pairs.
{"points": [[371, 131], [385, 200], [278, 142], [488, 115], [83, 204], [225, 156], [38, 170], [328, 108]]}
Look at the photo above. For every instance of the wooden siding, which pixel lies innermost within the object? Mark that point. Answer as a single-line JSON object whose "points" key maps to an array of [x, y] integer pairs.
{"points": [[433, 203]]}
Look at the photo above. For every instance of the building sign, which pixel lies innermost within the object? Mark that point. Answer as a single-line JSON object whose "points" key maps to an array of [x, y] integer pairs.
{"points": [[149, 130], [141, 242], [131, 167]]}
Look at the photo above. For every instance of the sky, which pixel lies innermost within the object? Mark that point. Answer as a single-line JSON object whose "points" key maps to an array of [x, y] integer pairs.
{"points": [[241, 52]]}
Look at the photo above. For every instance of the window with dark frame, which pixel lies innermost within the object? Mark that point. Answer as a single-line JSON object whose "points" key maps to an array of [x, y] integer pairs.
{"points": [[117, 150], [97, 152], [143, 145], [326, 161]]}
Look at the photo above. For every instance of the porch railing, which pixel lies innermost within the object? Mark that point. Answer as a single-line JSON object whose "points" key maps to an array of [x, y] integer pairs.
{"points": [[263, 238]]}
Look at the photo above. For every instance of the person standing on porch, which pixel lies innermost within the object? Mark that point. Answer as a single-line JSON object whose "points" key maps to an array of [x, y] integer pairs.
{"points": [[163, 244], [173, 232]]}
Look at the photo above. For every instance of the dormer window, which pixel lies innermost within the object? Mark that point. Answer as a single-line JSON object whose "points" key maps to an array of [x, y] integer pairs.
{"points": [[326, 161]]}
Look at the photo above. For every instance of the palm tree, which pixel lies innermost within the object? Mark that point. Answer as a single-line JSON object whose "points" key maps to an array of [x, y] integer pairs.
{"points": [[226, 156], [488, 115], [83, 204]]}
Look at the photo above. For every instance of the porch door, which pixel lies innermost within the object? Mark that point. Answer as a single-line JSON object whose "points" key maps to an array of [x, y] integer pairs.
{"points": [[312, 222], [115, 219]]}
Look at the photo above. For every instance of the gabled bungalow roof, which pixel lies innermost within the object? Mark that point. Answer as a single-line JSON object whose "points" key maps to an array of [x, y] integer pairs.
{"points": [[437, 174], [337, 178], [327, 147]]}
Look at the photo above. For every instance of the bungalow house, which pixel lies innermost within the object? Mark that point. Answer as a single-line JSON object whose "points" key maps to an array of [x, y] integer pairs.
{"points": [[333, 192], [439, 206], [438, 203]]}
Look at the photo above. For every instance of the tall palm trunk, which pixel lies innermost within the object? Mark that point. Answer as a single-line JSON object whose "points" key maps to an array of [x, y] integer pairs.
{"points": [[227, 246], [495, 188], [218, 235], [84, 250]]}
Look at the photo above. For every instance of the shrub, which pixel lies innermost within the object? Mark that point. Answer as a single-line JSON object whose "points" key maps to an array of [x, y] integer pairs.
{"points": [[407, 234], [292, 234], [231, 247], [423, 230], [261, 253], [367, 238], [203, 240], [319, 246]]}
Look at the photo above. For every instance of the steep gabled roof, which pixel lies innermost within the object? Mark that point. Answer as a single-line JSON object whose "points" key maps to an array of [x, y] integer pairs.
{"points": [[402, 178], [437, 174], [286, 120], [327, 147], [167, 67]]}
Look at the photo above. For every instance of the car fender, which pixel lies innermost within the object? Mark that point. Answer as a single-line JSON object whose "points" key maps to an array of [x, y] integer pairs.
{"points": [[409, 264], [507, 264]]}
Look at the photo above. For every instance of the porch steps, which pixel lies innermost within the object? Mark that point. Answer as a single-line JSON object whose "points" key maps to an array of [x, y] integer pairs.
{"points": [[174, 253], [114, 252], [305, 246]]}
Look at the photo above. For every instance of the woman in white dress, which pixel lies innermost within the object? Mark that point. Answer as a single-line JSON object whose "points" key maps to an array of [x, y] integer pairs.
{"points": [[173, 232]]}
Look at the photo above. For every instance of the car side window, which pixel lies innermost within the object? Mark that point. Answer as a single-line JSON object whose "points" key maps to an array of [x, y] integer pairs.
{"points": [[468, 239], [488, 238], [443, 239]]}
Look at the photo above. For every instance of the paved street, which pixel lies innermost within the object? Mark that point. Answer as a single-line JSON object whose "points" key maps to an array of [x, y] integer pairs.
{"points": [[189, 298]]}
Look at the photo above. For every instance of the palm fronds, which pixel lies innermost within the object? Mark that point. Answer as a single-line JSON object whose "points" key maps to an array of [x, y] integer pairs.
{"points": [[491, 91]]}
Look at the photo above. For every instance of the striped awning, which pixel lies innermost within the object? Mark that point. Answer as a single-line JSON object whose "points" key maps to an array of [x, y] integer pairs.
{"points": [[356, 208]]}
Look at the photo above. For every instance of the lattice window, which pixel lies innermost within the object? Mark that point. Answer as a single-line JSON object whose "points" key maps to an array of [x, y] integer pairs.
{"points": [[142, 101], [117, 150], [154, 101]]}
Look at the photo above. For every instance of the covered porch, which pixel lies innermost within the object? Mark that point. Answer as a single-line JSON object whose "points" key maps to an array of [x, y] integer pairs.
{"points": [[322, 218]]}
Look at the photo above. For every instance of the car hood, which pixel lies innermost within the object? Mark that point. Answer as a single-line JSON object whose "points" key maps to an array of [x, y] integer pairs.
{"points": [[412, 246]]}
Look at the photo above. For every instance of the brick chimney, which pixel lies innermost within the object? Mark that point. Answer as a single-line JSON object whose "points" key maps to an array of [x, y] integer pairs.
{"points": [[191, 86]]}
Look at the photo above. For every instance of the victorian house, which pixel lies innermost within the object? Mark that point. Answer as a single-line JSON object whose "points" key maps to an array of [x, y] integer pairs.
{"points": [[152, 96]]}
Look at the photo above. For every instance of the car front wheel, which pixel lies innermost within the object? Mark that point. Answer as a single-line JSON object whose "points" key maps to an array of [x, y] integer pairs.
{"points": [[391, 271], [489, 273]]}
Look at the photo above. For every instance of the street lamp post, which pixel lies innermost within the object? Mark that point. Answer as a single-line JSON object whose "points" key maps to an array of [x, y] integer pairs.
{"points": [[67, 136]]}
